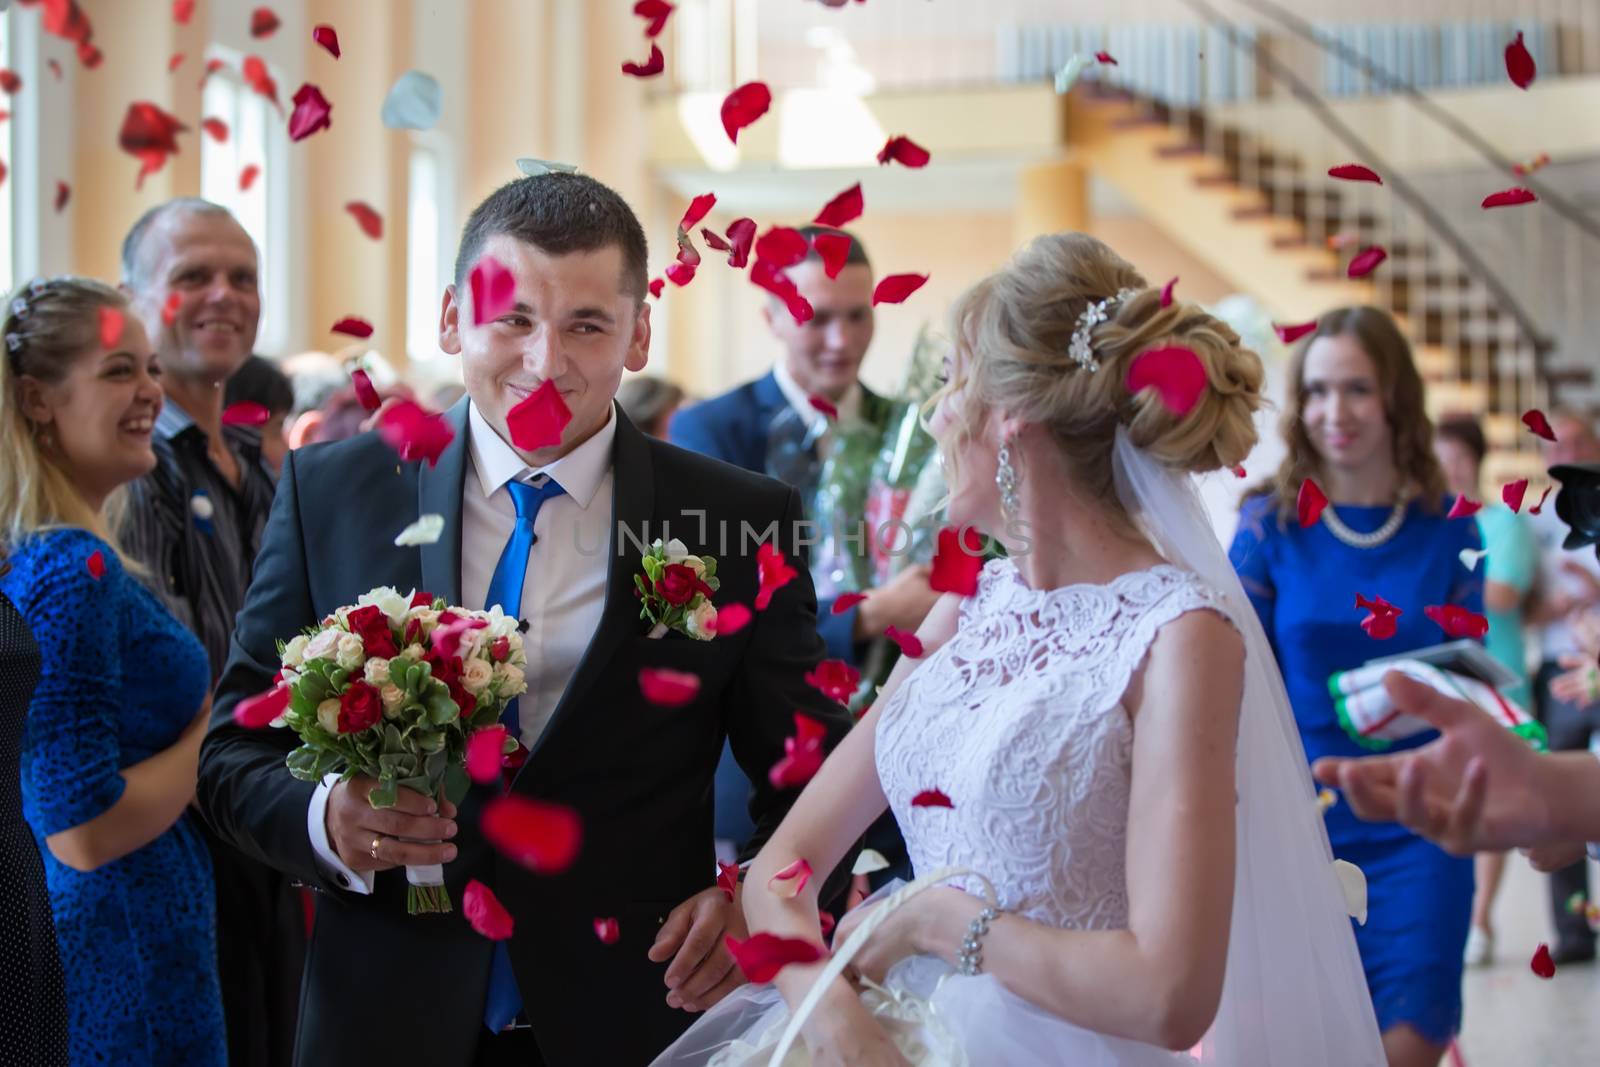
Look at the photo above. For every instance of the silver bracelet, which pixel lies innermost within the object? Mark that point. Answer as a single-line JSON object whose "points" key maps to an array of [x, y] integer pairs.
{"points": [[970, 959]]}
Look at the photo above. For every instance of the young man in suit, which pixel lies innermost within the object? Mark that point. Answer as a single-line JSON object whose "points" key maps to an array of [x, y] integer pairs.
{"points": [[384, 985]]}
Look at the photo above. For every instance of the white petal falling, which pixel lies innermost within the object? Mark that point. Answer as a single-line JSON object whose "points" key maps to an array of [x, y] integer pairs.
{"points": [[1067, 76], [868, 861], [413, 103], [425, 531], [534, 168], [1354, 884], [1471, 556]]}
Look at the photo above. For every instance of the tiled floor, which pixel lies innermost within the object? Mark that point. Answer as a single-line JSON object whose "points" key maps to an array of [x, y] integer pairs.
{"points": [[1514, 1018]]}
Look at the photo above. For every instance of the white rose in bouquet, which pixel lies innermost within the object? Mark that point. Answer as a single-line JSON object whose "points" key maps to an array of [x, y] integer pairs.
{"points": [[675, 550], [349, 653], [513, 682], [427, 616], [701, 621], [388, 601], [393, 699], [294, 653], [376, 671], [500, 624], [476, 674], [412, 652], [325, 644], [328, 715]]}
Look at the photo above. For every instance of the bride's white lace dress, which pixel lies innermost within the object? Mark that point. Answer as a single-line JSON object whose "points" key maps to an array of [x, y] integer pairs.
{"points": [[1018, 719]]}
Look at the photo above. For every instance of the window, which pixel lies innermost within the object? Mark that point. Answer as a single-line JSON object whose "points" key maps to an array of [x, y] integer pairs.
{"points": [[256, 138], [429, 242], [8, 266]]}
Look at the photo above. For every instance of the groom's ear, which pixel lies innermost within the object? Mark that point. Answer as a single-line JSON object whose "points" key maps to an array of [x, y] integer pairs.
{"points": [[639, 344], [450, 323]]}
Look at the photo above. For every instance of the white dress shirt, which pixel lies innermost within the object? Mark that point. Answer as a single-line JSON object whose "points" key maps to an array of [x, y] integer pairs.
{"points": [[563, 593], [849, 407], [1556, 638]]}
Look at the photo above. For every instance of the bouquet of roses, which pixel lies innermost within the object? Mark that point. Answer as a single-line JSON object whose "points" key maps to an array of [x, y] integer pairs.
{"points": [[393, 688], [675, 591]]}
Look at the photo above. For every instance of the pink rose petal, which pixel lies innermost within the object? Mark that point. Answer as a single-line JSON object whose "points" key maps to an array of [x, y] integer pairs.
{"points": [[248, 176], [539, 419], [1290, 334], [485, 749], [245, 413], [494, 290], [1513, 492], [263, 22], [824, 405], [365, 393], [1175, 373], [1366, 261], [680, 273], [1310, 502], [216, 129], [1166, 292], [1355, 172], [63, 194], [540, 836], [731, 618], [802, 756], [311, 113], [1463, 507], [728, 878], [254, 713], [910, 644], [775, 573], [484, 912], [328, 38], [741, 236], [656, 285], [668, 688], [608, 930], [655, 13], [1456, 621], [791, 881], [414, 432], [96, 564], [1509, 197], [1539, 507], [1105, 57], [1537, 424], [259, 78], [367, 218], [447, 638], [781, 246], [111, 322], [845, 601]]}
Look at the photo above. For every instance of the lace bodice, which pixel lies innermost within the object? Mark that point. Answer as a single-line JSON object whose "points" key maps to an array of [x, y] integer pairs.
{"points": [[1018, 720]]}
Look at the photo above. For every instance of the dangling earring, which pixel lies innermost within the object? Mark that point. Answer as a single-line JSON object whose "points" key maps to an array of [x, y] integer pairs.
{"points": [[1007, 479]]}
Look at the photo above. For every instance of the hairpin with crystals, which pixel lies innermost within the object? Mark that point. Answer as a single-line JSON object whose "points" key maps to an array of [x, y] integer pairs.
{"points": [[1082, 348]]}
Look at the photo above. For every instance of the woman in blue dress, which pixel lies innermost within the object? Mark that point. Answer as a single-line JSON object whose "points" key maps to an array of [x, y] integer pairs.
{"points": [[1354, 422], [114, 726]]}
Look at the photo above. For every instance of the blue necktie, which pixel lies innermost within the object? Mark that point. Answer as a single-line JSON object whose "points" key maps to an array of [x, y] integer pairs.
{"points": [[505, 589]]}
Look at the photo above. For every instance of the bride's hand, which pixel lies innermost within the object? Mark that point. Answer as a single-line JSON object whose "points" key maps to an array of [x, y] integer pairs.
{"points": [[841, 1033], [907, 932]]}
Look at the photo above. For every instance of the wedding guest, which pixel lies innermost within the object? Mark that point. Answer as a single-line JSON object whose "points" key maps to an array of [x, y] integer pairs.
{"points": [[1568, 586], [114, 726], [650, 402], [260, 381], [1354, 423], [1509, 570], [195, 523]]}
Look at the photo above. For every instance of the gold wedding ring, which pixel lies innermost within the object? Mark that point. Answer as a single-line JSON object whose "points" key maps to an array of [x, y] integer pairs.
{"points": [[373, 849]]}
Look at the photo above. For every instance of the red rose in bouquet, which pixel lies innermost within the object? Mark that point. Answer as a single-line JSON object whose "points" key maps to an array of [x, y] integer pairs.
{"points": [[359, 707], [679, 583], [371, 625]]}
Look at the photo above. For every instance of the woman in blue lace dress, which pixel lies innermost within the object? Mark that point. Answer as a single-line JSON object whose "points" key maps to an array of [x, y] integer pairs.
{"points": [[114, 726], [1354, 422]]}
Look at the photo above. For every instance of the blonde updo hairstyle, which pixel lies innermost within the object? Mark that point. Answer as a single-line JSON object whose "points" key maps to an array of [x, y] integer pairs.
{"points": [[1012, 334]]}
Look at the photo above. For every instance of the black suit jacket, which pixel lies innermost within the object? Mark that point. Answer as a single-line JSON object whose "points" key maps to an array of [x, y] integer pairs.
{"points": [[385, 986]]}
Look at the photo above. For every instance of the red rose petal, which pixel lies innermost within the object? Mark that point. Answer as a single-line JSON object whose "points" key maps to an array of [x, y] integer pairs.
{"points": [[89, 55], [762, 956], [169, 310], [1290, 334], [63, 194], [212, 66], [741, 236], [311, 112], [834, 679], [823, 405], [1509, 197], [182, 11], [743, 106], [1105, 57], [957, 561], [351, 326], [731, 618], [698, 209], [494, 290], [1355, 172], [367, 218], [55, 67], [111, 321], [910, 644], [844, 208], [248, 176], [1513, 492], [1537, 424], [775, 573], [668, 688], [1366, 261], [1456, 621], [328, 38], [485, 913], [257, 712], [1541, 964], [263, 22], [174, 62], [9, 81], [780, 285], [1175, 373], [1380, 623], [834, 248], [845, 601], [539, 419], [728, 878], [1166, 292], [802, 754], [655, 13], [149, 134], [680, 273], [96, 564], [259, 78], [1238, 471], [896, 287], [715, 240], [781, 246], [1539, 507], [905, 151], [216, 128], [607, 930], [1520, 67], [365, 393], [791, 881], [931, 798], [540, 836], [656, 285], [650, 67], [1463, 507], [1310, 502], [245, 413], [485, 748], [414, 432]]}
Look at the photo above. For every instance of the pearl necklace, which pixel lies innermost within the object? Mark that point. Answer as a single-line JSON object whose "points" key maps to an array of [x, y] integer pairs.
{"points": [[1390, 527]]}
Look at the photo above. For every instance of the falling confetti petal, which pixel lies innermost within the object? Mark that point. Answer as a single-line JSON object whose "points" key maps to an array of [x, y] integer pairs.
{"points": [[486, 748], [1470, 556], [931, 798], [680, 273], [1355, 172], [608, 930], [1509, 197], [311, 113], [842, 209], [96, 564], [650, 67], [216, 128], [1456, 621], [351, 326], [212, 66], [762, 956], [1067, 75], [870, 861], [1537, 424], [9, 81], [781, 247], [780, 285], [182, 11], [715, 240], [484, 912], [656, 285], [540, 836], [1105, 57], [1541, 964], [1290, 334], [1382, 617], [425, 531], [1539, 507], [775, 573], [655, 14], [791, 881], [957, 561], [1310, 502], [1353, 881], [263, 22], [259, 711], [63, 194], [823, 405], [741, 236], [248, 176], [743, 106], [370, 221], [111, 322], [731, 618], [259, 78], [413, 103], [149, 134], [834, 679], [1175, 373], [896, 288], [174, 62], [1166, 293], [538, 420], [910, 644], [1366, 261], [1513, 492], [668, 688], [494, 290], [904, 151], [802, 754], [365, 393], [845, 601], [1520, 67], [328, 38], [246, 413], [728, 878], [536, 168], [169, 310], [1463, 507], [414, 432]]}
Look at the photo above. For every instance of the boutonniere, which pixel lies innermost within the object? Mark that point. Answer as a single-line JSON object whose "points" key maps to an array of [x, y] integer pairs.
{"points": [[675, 591]]}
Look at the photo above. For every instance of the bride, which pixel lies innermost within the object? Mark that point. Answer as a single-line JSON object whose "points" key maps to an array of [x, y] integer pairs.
{"points": [[1107, 723]]}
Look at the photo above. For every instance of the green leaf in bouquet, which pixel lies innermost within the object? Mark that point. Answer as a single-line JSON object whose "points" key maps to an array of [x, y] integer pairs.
{"points": [[653, 568], [456, 783], [337, 677], [392, 741], [643, 586], [441, 709], [418, 784], [430, 743], [313, 687], [384, 794], [434, 765], [398, 764], [327, 760], [302, 763]]}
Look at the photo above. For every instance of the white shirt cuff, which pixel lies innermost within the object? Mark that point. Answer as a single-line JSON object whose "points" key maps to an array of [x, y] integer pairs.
{"points": [[317, 826]]}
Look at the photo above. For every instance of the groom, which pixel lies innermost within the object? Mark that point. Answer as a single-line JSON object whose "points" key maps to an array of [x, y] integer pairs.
{"points": [[381, 985]]}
